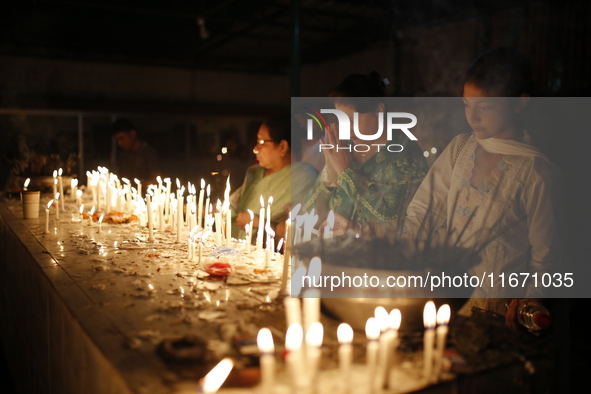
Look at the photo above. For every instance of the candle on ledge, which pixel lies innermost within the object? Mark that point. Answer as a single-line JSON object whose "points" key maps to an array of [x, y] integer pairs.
{"points": [[249, 234], [100, 222], [139, 187], [159, 207], [206, 219], [394, 320], [212, 382], [73, 188], [218, 224], [261, 226], [79, 197], [47, 216], [311, 306], [295, 362], [228, 213], [314, 337], [81, 212], [443, 315], [200, 205], [57, 208], [267, 359], [345, 337], [61, 184], [268, 216], [54, 186], [179, 214], [167, 199], [372, 331], [247, 230], [429, 317], [90, 215], [382, 318], [150, 221]]}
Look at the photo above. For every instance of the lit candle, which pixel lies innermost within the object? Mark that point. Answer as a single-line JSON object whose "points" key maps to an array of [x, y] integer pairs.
{"points": [[90, 215], [228, 213], [394, 320], [179, 214], [78, 197], [127, 192], [261, 227], [73, 188], [249, 233], [345, 337], [167, 199], [268, 216], [293, 310], [382, 318], [160, 209], [328, 233], [372, 331], [429, 318], [206, 220], [61, 183], [212, 382], [443, 315], [47, 216], [26, 185], [286, 256], [54, 186], [247, 230], [311, 306], [100, 222], [81, 211], [314, 336], [57, 208], [150, 221], [139, 187], [293, 344], [218, 223], [200, 205], [267, 359]]}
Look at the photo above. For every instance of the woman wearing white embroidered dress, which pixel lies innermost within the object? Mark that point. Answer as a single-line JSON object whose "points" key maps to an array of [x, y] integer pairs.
{"points": [[496, 185]]}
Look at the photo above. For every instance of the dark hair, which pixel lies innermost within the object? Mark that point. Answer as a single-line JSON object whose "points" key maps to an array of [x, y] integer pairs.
{"points": [[502, 72], [122, 125], [358, 90], [279, 129]]}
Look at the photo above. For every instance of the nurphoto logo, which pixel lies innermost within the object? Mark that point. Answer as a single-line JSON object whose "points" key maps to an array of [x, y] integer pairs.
{"points": [[392, 120]]}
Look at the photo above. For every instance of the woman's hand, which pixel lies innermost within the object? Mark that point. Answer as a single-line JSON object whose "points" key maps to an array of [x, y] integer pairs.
{"points": [[338, 161]]}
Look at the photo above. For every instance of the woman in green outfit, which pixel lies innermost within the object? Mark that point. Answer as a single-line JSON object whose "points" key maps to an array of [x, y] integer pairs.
{"points": [[370, 187]]}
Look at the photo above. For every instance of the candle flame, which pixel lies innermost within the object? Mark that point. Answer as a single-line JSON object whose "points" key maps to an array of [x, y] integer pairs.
{"points": [[81, 209], [251, 214], [279, 245], [262, 201], [381, 316], [178, 183], [166, 180], [159, 179], [218, 205], [202, 183], [344, 333], [270, 200], [125, 180], [208, 190], [137, 181], [395, 319], [265, 341], [372, 329], [57, 196], [60, 172], [429, 315], [315, 334], [212, 382], [79, 193], [100, 221], [92, 211], [294, 337], [49, 204], [443, 314], [27, 182]]}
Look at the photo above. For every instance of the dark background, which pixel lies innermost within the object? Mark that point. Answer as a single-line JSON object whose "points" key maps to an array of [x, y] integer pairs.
{"points": [[194, 88]]}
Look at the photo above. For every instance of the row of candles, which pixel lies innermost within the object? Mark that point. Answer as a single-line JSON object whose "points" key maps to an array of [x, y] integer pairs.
{"points": [[304, 345]]}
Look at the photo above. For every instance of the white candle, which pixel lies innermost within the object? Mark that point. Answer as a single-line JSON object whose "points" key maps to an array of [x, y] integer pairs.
{"points": [[372, 331], [73, 188], [314, 336], [81, 212], [167, 200], [150, 222], [57, 207], [382, 318], [267, 360], [78, 197], [54, 186], [247, 229], [90, 215], [293, 310], [61, 183], [249, 233], [179, 214], [286, 256], [47, 216], [261, 228], [311, 307], [429, 317], [139, 187], [345, 337], [200, 205], [207, 206], [212, 382], [100, 222], [443, 315], [394, 320], [268, 216], [309, 223], [229, 226], [218, 224], [295, 361]]}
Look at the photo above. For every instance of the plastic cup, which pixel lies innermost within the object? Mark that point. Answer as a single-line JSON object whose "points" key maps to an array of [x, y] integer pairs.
{"points": [[30, 204]]}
